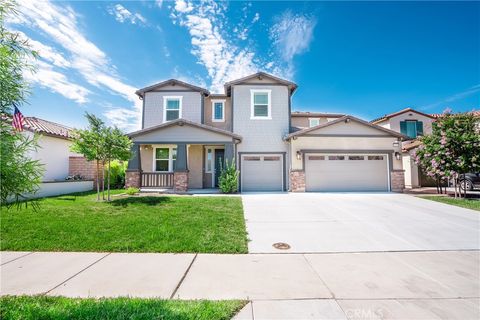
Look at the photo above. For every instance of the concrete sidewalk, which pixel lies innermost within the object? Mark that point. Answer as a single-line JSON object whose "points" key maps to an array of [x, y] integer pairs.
{"points": [[428, 284]]}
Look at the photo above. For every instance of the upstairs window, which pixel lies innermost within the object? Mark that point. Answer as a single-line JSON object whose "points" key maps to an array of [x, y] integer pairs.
{"points": [[411, 128], [172, 108], [314, 122], [218, 110], [261, 104], [165, 159]]}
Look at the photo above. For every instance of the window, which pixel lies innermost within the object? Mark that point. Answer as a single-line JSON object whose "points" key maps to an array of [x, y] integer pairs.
{"points": [[411, 128], [218, 110], [261, 104], [209, 160], [336, 157], [271, 158], [375, 157], [251, 158], [314, 122], [316, 157], [172, 108], [165, 158], [356, 157]]}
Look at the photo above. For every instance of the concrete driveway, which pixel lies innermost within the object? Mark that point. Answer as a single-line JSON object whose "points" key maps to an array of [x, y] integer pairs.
{"points": [[356, 222]]}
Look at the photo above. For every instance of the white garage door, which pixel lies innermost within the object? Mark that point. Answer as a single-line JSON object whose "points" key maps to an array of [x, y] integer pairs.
{"points": [[346, 172], [262, 172]]}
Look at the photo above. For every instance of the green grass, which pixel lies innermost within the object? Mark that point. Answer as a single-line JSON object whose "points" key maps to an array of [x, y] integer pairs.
{"points": [[464, 203], [127, 224], [56, 308]]}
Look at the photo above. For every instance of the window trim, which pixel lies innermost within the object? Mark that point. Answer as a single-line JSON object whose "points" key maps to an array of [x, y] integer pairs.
{"points": [[165, 99], [310, 122], [252, 105], [223, 110], [170, 157]]}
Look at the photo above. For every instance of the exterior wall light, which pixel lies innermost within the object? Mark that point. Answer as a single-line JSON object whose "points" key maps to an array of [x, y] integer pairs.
{"points": [[398, 156], [299, 155], [396, 144]]}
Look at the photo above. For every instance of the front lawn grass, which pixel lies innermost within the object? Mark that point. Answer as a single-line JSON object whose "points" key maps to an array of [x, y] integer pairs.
{"points": [[464, 203], [59, 308], [127, 224]]}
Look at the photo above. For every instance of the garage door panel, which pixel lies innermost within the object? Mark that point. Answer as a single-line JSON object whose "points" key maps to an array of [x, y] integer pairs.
{"points": [[344, 172], [262, 172]]}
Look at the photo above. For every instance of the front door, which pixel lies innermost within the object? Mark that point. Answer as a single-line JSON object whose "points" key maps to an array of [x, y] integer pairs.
{"points": [[219, 163]]}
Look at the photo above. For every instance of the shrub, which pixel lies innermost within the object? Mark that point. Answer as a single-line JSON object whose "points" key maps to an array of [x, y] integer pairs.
{"points": [[131, 191], [228, 180], [117, 174]]}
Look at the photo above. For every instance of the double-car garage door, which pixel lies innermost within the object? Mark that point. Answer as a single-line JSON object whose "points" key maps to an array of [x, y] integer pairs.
{"points": [[346, 172], [262, 172]]}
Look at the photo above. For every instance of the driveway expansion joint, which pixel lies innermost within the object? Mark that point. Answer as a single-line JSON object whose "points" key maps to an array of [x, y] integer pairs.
{"points": [[76, 274], [183, 277], [26, 254]]}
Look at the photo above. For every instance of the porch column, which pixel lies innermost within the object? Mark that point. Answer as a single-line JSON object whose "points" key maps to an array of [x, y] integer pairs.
{"points": [[133, 172], [229, 152], [180, 175]]}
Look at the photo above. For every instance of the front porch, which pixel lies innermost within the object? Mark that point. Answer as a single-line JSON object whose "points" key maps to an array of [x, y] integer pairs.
{"points": [[166, 165]]}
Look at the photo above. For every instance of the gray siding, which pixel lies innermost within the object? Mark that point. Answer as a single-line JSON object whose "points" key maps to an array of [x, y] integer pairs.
{"points": [[191, 107], [261, 135]]}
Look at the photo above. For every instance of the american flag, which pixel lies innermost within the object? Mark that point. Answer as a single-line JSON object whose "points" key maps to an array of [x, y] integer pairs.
{"points": [[18, 119]]}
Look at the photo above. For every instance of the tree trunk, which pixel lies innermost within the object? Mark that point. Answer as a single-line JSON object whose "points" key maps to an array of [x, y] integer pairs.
{"points": [[103, 180], [108, 181], [98, 183]]}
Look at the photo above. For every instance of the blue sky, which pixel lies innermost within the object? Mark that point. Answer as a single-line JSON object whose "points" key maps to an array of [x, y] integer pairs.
{"points": [[360, 58]]}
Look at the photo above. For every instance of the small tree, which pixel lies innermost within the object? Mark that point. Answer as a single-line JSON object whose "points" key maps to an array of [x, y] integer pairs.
{"points": [[19, 174], [453, 147], [228, 179], [117, 147], [90, 143]]}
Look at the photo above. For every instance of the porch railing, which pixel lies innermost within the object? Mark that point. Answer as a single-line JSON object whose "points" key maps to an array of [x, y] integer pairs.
{"points": [[157, 179]]}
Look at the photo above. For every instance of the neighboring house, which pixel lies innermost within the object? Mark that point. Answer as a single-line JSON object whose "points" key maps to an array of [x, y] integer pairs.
{"points": [[187, 134], [413, 124], [54, 154]]}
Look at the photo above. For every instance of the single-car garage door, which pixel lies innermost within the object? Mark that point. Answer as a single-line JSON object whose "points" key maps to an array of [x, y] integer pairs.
{"points": [[262, 172], [346, 172]]}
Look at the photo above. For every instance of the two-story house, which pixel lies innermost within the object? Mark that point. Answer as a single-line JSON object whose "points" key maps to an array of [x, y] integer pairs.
{"points": [[188, 133], [413, 124]]}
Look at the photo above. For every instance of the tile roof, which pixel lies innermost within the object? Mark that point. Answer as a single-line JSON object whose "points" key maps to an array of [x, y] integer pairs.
{"points": [[45, 127]]}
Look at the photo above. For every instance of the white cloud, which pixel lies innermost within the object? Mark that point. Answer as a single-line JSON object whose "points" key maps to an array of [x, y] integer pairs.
{"points": [[159, 3], [122, 15], [292, 34], [223, 60], [183, 6], [57, 82], [256, 17], [45, 52], [458, 96], [60, 24]]}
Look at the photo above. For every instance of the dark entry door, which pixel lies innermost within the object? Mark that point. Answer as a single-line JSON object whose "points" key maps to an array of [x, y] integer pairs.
{"points": [[219, 163]]}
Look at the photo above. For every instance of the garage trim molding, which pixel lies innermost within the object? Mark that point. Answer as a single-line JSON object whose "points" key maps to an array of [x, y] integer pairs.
{"points": [[284, 166]]}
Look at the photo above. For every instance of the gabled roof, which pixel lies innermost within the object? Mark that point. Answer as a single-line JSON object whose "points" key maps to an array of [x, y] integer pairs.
{"points": [[388, 116], [173, 82], [260, 75], [44, 127], [316, 114], [181, 122], [345, 118]]}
